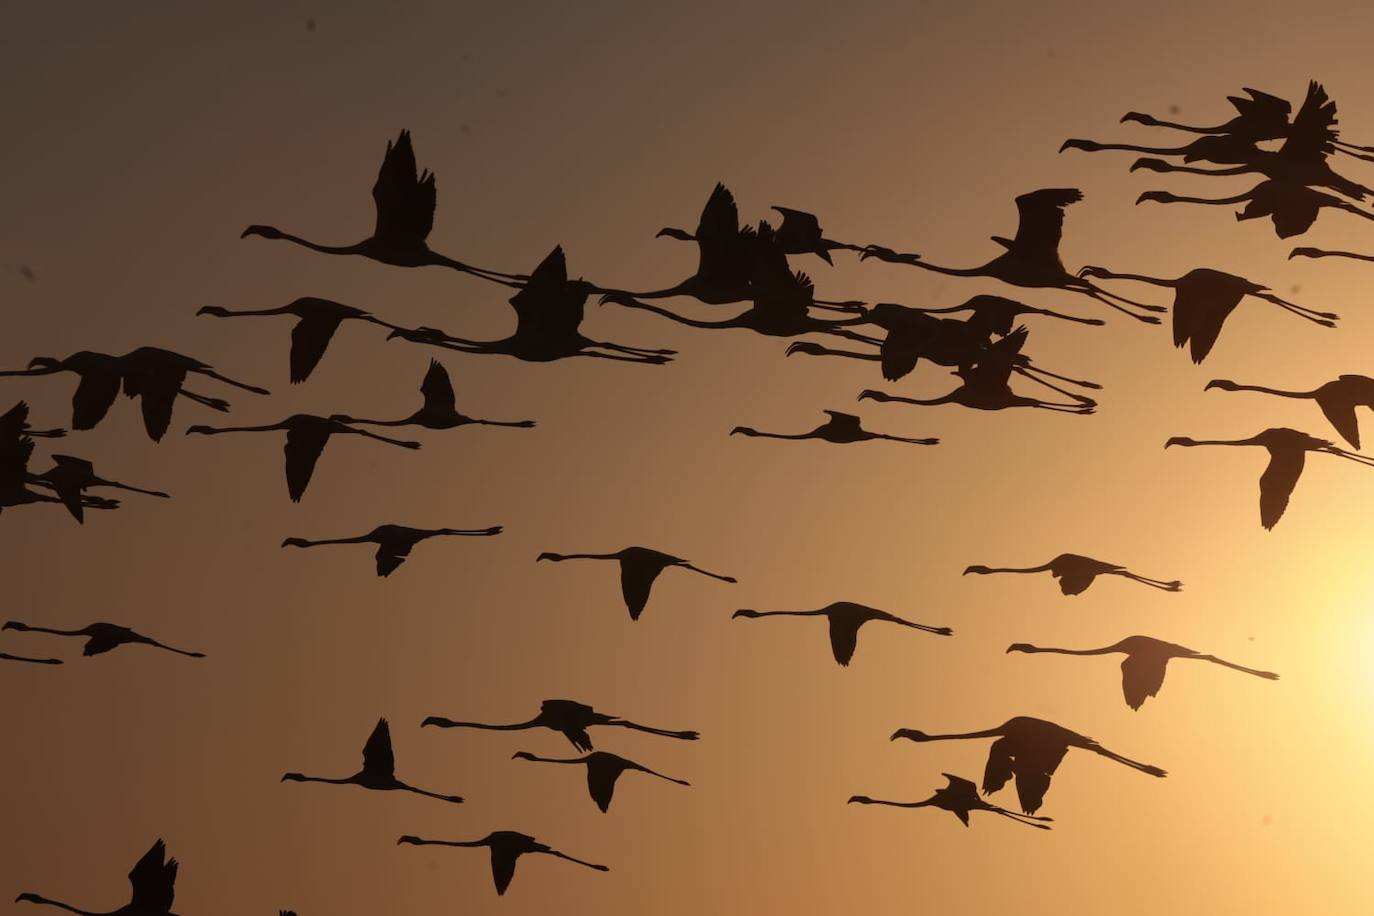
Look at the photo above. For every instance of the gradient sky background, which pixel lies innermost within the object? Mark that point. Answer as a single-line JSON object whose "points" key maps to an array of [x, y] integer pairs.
{"points": [[143, 139]]}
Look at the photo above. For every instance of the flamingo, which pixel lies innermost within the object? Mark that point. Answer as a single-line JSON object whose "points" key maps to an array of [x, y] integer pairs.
{"points": [[1288, 450], [16, 450], [568, 717], [1075, 573], [845, 618], [603, 770], [1204, 298], [1142, 671], [998, 314], [15, 422], [506, 846], [379, 769], [70, 477], [1292, 207], [639, 569], [100, 375], [1223, 149], [306, 437], [800, 233], [1262, 116], [438, 410], [959, 797], [840, 429], [1337, 399], [405, 203], [1032, 258], [102, 637], [726, 255], [1030, 750], [317, 320], [549, 311], [153, 879], [394, 542], [156, 377]]}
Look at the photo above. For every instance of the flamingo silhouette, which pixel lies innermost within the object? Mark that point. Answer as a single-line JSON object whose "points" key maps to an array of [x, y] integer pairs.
{"points": [[70, 477], [1204, 298], [318, 319], [16, 450], [405, 201], [1288, 450], [639, 569], [1262, 116], [15, 422], [306, 437], [1030, 750], [439, 409], [845, 618], [549, 310], [506, 847], [1292, 207], [1075, 573], [725, 255], [100, 375], [998, 314], [102, 637], [603, 770], [379, 769], [153, 879], [1337, 399], [1223, 149], [800, 233], [568, 717], [156, 377], [840, 429], [959, 797], [394, 542], [1142, 671], [1032, 258]]}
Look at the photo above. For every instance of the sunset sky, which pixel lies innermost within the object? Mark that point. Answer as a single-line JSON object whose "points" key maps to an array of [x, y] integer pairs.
{"points": [[143, 138]]}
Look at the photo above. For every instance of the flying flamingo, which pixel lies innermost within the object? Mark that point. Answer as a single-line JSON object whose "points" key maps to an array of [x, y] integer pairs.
{"points": [[1223, 149], [1032, 258], [1142, 671], [317, 320], [845, 618], [394, 542], [102, 637], [549, 311], [959, 798], [16, 450], [726, 255], [306, 437], [156, 377], [1204, 298], [1075, 573], [70, 477], [840, 429], [800, 233], [405, 203], [603, 770], [998, 314], [100, 376], [506, 846], [1030, 750], [439, 409], [1262, 116], [379, 769], [1292, 207], [568, 717], [15, 422], [153, 879], [1337, 399], [639, 569], [1288, 450]]}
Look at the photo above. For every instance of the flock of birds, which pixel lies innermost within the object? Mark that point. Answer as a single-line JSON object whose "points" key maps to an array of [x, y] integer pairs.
{"points": [[748, 266]]}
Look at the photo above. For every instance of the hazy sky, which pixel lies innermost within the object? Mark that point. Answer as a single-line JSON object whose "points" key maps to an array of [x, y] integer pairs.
{"points": [[143, 138]]}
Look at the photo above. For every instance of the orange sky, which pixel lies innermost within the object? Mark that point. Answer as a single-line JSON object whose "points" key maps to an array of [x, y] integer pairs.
{"points": [[141, 143]]}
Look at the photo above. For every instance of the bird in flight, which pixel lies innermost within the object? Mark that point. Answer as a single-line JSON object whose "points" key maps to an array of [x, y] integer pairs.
{"points": [[70, 478], [153, 879], [959, 797], [840, 429], [1075, 573], [16, 450], [379, 769], [1288, 450], [603, 770], [569, 718], [1204, 298], [439, 409], [639, 569], [1030, 750], [306, 437], [801, 233], [101, 637], [1293, 208], [394, 542], [506, 846], [845, 618], [156, 377], [405, 201], [1142, 671], [1337, 399]]}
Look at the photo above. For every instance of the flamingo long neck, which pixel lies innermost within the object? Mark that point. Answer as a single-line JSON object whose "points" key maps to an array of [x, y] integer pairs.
{"points": [[820, 613], [1105, 650], [35, 898], [950, 271], [1024, 569], [215, 430], [1139, 278], [30, 629], [682, 319], [284, 310], [357, 248], [1276, 391], [986, 733]]}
